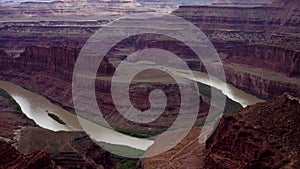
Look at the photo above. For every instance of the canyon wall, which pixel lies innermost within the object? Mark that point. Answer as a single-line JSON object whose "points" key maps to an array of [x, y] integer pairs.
{"points": [[272, 58], [278, 17], [18, 35], [254, 39], [267, 86]]}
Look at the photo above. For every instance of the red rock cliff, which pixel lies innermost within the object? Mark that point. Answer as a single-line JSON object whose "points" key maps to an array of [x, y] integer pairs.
{"points": [[272, 58]]}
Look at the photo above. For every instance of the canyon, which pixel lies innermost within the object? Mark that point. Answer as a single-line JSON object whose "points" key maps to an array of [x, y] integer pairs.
{"points": [[39, 65], [259, 49]]}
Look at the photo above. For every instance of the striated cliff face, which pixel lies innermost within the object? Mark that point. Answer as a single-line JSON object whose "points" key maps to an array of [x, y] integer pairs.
{"points": [[58, 61], [261, 82], [277, 17], [272, 58], [73, 33], [265, 135]]}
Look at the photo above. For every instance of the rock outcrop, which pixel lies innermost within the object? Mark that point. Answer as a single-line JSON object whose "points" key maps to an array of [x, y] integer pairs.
{"points": [[261, 136], [272, 58], [261, 82], [12, 158], [67, 149], [265, 135]]}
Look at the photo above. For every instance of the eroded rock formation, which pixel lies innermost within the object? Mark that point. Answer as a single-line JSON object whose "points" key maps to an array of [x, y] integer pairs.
{"points": [[67, 149], [12, 158], [260, 136], [272, 58], [265, 135]]}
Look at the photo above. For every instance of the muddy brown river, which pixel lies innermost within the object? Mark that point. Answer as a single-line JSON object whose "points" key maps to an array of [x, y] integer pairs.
{"points": [[37, 107]]}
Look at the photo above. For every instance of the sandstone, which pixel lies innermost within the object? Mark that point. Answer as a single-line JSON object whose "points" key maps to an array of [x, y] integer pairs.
{"points": [[272, 58], [67, 149], [11, 158], [265, 135], [260, 136]]}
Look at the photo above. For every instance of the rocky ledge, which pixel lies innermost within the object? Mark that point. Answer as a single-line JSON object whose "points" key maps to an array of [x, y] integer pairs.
{"points": [[265, 135]]}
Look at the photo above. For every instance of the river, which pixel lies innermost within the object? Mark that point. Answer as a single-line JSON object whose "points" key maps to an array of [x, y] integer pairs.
{"points": [[229, 90], [37, 107]]}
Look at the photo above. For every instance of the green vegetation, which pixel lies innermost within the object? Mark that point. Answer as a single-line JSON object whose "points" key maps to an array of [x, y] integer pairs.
{"points": [[204, 90], [10, 99], [54, 117], [130, 164], [196, 69], [140, 134], [121, 150], [231, 106], [24, 87]]}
